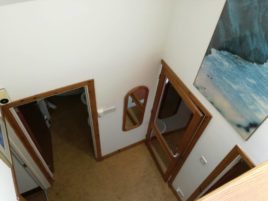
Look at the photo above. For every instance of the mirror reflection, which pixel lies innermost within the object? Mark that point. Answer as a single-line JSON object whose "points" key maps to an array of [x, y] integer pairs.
{"points": [[173, 118], [134, 107]]}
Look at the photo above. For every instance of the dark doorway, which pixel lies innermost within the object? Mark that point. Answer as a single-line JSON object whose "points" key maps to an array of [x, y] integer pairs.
{"points": [[34, 146], [63, 116]]}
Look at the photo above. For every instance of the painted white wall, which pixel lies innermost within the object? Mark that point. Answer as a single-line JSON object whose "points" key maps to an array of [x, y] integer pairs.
{"points": [[47, 44], [24, 179], [23, 154], [7, 190], [190, 33]]}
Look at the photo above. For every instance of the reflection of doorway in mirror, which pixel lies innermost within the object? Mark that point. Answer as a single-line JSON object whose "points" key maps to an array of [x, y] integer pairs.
{"points": [[134, 107], [173, 118]]}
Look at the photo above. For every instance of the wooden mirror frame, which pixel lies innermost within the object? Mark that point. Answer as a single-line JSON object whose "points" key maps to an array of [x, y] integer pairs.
{"points": [[142, 107], [228, 159], [187, 96]]}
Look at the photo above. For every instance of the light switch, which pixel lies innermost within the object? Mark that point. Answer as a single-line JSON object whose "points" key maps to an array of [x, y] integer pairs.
{"points": [[203, 160], [180, 192]]}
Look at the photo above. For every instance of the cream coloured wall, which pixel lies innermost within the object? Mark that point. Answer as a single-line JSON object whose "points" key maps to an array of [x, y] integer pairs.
{"points": [[7, 190], [47, 44], [190, 33]]}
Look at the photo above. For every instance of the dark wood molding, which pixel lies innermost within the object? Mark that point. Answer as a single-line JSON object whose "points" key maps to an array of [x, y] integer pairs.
{"points": [[123, 149], [234, 153], [200, 120], [48, 94], [89, 85], [141, 107], [18, 131], [94, 113]]}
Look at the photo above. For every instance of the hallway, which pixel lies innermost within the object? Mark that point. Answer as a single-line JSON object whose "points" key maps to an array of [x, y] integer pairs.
{"points": [[130, 175]]}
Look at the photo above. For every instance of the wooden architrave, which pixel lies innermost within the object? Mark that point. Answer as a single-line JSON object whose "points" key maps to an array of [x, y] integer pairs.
{"points": [[185, 93], [88, 85], [231, 156], [143, 107]]}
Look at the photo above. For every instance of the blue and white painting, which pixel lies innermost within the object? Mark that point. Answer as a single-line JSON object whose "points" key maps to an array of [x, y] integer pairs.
{"points": [[234, 73]]}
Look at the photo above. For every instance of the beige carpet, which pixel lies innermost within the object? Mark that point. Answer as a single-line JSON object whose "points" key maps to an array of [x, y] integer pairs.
{"points": [[128, 176]]}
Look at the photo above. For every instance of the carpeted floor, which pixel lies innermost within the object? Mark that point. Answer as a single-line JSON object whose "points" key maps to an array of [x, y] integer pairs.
{"points": [[128, 176]]}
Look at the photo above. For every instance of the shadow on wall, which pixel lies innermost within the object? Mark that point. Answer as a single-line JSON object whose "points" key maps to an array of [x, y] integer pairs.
{"points": [[7, 2]]}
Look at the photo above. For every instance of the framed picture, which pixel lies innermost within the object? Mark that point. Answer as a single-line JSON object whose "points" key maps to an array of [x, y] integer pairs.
{"points": [[4, 145], [234, 73]]}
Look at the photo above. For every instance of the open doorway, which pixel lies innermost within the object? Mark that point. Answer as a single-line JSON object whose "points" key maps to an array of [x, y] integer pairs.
{"points": [[56, 121], [59, 126], [62, 111]]}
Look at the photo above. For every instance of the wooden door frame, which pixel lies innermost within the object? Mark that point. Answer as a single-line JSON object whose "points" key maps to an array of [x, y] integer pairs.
{"points": [[88, 85], [228, 159], [185, 93]]}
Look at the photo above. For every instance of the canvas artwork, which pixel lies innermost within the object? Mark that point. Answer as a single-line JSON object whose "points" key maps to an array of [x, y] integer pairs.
{"points": [[234, 73]]}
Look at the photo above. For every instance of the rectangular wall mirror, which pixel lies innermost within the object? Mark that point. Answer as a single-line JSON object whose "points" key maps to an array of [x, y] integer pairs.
{"points": [[178, 120]]}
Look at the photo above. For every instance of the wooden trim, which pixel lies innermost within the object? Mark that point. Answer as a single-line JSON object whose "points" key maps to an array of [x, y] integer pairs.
{"points": [[245, 156], [132, 117], [169, 71], [163, 143], [48, 94], [142, 107], [94, 113], [123, 149], [234, 153], [200, 122], [155, 159], [89, 85], [13, 123], [135, 99], [169, 170]]}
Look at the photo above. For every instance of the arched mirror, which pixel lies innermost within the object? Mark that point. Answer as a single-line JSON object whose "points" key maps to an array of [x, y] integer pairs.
{"points": [[134, 107]]}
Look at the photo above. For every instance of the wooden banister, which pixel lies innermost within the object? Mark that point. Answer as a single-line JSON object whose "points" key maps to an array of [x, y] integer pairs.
{"points": [[253, 185]]}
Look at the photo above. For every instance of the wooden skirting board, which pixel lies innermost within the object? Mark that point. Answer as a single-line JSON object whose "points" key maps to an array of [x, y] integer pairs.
{"points": [[123, 149]]}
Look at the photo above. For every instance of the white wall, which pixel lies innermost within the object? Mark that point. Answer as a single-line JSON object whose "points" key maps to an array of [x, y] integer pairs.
{"points": [[47, 44], [7, 190], [192, 27], [24, 179]]}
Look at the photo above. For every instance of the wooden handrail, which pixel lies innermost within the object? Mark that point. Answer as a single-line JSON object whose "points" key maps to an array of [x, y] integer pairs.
{"points": [[253, 185]]}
